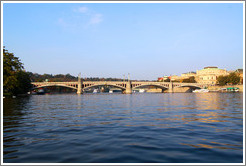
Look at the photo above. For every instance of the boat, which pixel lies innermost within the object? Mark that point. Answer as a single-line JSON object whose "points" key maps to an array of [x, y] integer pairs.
{"points": [[40, 92], [232, 89], [111, 91], [200, 91], [95, 91], [142, 90]]}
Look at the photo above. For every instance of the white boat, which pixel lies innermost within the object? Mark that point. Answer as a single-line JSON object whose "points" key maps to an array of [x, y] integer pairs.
{"points": [[95, 91], [40, 92], [200, 91], [111, 91], [142, 90]]}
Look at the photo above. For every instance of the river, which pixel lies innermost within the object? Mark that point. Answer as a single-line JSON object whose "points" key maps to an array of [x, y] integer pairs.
{"points": [[120, 128]]}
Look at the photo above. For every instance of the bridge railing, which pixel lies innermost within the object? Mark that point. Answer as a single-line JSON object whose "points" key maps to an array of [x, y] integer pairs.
{"points": [[115, 82], [54, 82]]}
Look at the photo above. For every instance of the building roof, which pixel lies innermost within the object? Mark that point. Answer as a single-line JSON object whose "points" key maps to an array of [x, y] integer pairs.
{"points": [[209, 67], [191, 72]]}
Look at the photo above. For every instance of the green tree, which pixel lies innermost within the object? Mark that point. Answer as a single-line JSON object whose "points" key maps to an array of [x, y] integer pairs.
{"points": [[192, 79], [189, 80], [222, 80], [23, 83], [232, 78], [15, 80], [167, 80], [11, 65]]}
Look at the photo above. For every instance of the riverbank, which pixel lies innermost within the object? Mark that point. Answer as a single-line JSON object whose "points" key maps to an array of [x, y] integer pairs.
{"points": [[187, 89], [216, 88], [12, 95]]}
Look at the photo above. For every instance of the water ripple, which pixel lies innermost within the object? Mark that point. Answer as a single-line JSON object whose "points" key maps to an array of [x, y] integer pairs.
{"points": [[118, 128]]}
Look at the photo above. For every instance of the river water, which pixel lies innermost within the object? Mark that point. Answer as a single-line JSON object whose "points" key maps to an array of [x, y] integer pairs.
{"points": [[120, 128]]}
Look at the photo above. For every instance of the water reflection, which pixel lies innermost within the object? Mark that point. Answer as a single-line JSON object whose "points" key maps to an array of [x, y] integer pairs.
{"points": [[79, 101], [14, 111], [107, 128], [210, 146]]}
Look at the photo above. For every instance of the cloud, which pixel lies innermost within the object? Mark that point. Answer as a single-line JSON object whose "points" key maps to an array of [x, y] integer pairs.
{"points": [[62, 22], [82, 9], [82, 17], [93, 17], [96, 19]]}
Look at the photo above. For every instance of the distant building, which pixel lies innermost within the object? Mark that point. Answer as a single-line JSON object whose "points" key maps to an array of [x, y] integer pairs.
{"points": [[209, 75], [188, 75], [162, 79], [175, 78]]}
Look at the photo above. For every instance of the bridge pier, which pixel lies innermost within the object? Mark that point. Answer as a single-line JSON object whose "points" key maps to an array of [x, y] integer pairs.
{"points": [[79, 90], [170, 90], [128, 88]]}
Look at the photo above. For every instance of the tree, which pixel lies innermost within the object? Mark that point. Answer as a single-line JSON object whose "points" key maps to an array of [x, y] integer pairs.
{"points": [[192, 79], [189, 80], [11, 65], [15, 79], [167, 80], [222, 80], [23, 82], [232, 78]]}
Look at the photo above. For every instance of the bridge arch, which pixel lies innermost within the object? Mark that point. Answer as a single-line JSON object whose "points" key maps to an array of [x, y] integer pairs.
{"points": [[190, 86], [158, 86], [95, 85], [61, 85]]}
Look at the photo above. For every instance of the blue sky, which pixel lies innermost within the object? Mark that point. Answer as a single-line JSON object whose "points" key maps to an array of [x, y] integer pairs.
{"points": [[110, 40]]}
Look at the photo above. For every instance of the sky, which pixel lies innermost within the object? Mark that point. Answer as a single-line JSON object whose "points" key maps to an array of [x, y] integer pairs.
{"points": [[147, 40]]}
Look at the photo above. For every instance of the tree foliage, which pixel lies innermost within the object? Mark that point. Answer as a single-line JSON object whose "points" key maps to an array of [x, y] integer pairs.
{"points": [[24, 82], [189, 80], [65, 78], [231, 79], [15, 79]]}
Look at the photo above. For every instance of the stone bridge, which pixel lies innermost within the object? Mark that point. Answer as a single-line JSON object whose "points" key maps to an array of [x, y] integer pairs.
{"points": [[125, 86]]}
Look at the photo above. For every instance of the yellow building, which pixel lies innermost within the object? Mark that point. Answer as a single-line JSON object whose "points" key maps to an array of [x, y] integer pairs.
{"points": [[209, 75], [188, 75], [175, 78]]}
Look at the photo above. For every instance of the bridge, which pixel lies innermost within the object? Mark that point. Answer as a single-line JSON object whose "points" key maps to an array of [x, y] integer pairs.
{"points": [[125, 86]]}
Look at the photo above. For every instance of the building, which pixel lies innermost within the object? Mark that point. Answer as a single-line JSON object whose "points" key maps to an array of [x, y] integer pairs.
{"points": [[188, 75], [160, 79], [209, 75], [163, 79], [175, 78]]}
